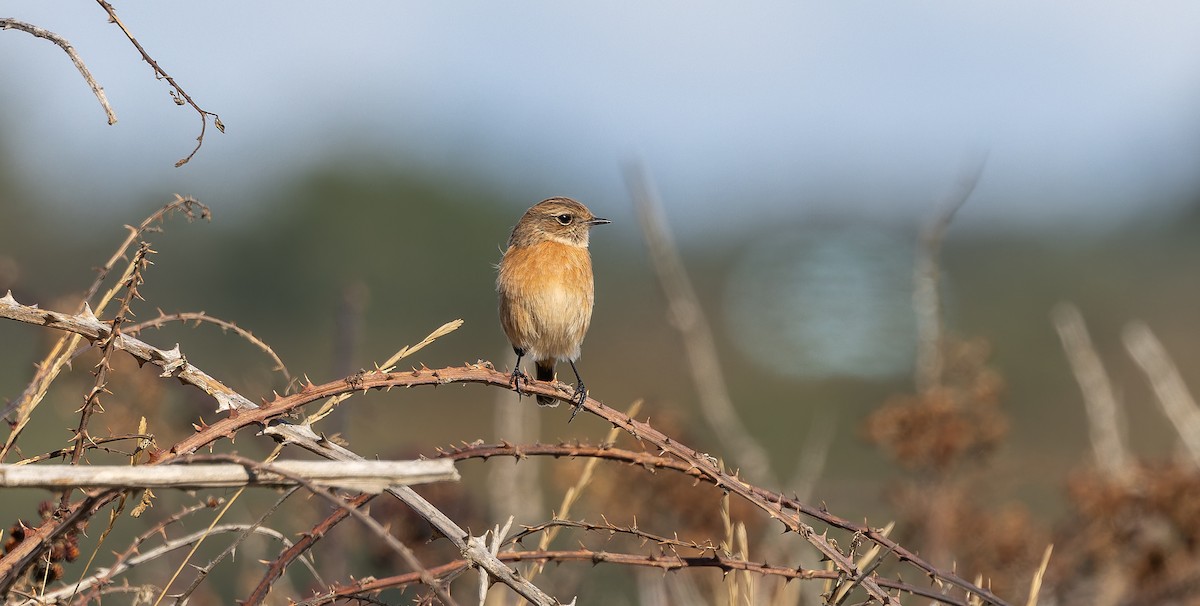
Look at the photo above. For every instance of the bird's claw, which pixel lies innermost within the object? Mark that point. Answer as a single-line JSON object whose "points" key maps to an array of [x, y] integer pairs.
{"points": [[514, 380], [577, 399]]}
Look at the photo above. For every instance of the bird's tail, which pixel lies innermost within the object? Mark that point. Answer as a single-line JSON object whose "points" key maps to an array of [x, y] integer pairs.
{"points": [[545, 372]]}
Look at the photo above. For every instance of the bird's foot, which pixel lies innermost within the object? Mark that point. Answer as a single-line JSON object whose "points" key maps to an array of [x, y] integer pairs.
{"points": [[581, 394], [514, 380]]}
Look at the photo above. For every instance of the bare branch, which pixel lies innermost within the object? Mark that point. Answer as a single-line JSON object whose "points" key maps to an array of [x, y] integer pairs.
{"points": [[652, 461], [91, 402], [698, 343], [307, 540], [207, 569], [1177, 402], [1099, 399], [178, 94], [60, 355], [362, 476], [63, 594], [481, 373], [199, 317], [175, 365], [609, 528], [159, 528], [665, 563], [376, 528], [927, 300], [472, 548], [6, 23], [93, 443]]}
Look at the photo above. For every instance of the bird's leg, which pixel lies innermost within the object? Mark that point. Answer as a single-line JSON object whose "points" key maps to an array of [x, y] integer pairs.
{"points": [[515, 378], [581, 392]]}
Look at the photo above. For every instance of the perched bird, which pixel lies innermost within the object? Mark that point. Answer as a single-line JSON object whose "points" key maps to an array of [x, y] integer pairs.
{"points": [[546, 290]]}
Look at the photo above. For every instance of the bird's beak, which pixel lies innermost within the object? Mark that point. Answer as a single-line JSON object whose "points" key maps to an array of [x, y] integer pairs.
{"points": [[598, 221]]}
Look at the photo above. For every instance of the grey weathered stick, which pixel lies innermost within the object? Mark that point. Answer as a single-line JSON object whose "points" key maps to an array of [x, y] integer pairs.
{"points": [[362, 476], [62, 43], [63, 595], [441, 591], [698, 343], [1173, 395], [87, 325], [473, 549], [1099, 399], [927, 277]]}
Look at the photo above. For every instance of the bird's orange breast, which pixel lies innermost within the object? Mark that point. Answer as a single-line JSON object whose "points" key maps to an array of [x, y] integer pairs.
{"points": [[546, 298]]}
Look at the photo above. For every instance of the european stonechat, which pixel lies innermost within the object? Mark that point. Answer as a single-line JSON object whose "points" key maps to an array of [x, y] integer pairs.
{"points": [[546, 289]]}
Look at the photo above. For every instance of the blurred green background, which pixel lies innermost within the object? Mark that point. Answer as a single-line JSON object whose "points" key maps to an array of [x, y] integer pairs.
{"points": [[418, 250]]}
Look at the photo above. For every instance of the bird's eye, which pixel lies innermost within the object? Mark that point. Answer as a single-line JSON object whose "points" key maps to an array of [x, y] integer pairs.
{"points": [[564, 219]]}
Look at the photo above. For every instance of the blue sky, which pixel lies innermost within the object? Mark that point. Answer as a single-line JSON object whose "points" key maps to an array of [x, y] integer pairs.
{"points": [[1087, 110]]}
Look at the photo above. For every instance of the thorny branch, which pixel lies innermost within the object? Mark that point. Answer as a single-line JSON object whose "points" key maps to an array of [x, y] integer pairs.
{"points": [[93, 442], [207, 569], [94, 582], [378, 530], [91, 402], [198, 317], [60, 355], [663, 562], [178, 94], [651, 461], [33, 30], [268, 415], [285, 558], [175, 364], [612, 530]]}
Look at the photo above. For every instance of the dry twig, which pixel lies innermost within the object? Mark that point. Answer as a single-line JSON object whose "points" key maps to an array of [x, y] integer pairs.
{"points": [[278, 565], [178, 94], [362, 476], [60, 355], [375, 528], [269, 414], [665, 563], [174, 364], [33, 30], [1100, 401], [1173, 395], [199, 317], [698, 343], [104, 575], [927, 299]]}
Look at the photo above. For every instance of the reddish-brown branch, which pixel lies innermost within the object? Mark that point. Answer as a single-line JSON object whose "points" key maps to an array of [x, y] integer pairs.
{"points": [[671, 543], [244, 414], [663, 562], [277, 566], [651, 461], [406, 554], [92, 401]]}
